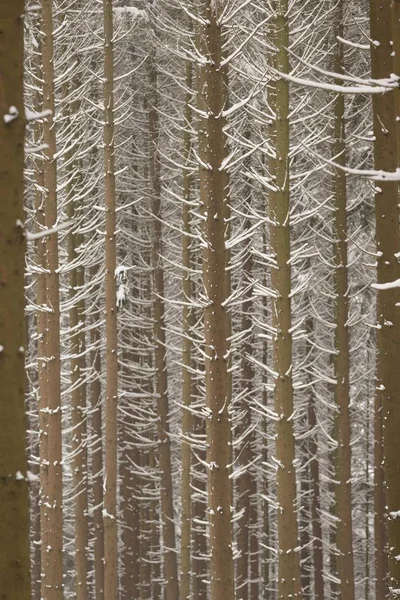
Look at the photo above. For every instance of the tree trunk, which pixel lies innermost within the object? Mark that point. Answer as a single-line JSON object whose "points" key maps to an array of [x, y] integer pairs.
{"points": [[187, 324], [213, 196], [317, 549], [96, 452], [341, 359], [52, 574], [164, 442], [111, 462], [289, 585], [14, 509], [78, 412], [388, 248]]}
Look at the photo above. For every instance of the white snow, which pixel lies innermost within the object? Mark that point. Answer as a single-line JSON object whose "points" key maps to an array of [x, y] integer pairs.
{"points": [[11, 115], [390, 285]]}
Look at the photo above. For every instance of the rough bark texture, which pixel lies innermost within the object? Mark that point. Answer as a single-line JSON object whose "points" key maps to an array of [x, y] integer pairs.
{"points": [[388, 247], [14, 512], [289, 585], [213, 196], [341, 359], [111, 463], [52, 574], [164, 442]]}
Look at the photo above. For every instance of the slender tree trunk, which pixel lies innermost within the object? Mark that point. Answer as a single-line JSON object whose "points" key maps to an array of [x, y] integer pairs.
{"points": [[187, 324], [131, 534], [213, 195], [14, 509], [388, 247], [247, 564], [111, 462], [164, 442], [97, 453], [341, 360], [317, 549], [52, 574], [78, 391], [289, 585], [380, 530]]}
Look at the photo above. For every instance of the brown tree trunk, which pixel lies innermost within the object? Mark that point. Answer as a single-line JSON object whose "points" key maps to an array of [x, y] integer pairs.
{"points": [[14, 509], [317, 549], [164, 442], [213, 195], [388, 247], [52, 574], [187, 324], [111, 446], [96, 452], [341, 359], [289, 585]]}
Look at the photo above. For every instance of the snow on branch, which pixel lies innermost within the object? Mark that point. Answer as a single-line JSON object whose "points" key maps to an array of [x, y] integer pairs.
{"points": [[390, 285], [381, 87]]}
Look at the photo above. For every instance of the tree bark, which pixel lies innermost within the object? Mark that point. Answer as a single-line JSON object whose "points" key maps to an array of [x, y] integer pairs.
{"points": [[213, 196], [388, 270], [187, 324], [52, 574], [96, 451], [111, 447], [14, 509], [341, 359], [164, 442], [289, 585]]}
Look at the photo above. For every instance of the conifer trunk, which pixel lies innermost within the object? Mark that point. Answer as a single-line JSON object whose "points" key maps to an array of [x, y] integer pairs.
{"points": [[111, 463], [96, 452], [317, 549], [341, 359], [52, 574], [187, 323], [164, 442], [213, 196], [14, 509], [388, 270], [289, 585]]}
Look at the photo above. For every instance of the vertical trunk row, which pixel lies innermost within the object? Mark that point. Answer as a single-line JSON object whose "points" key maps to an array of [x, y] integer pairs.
{"points": [[14, 511], [289, 585], [341, 359], [52, 574], [164, 442], [111, 366], [213, 196], [388, 270]]}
